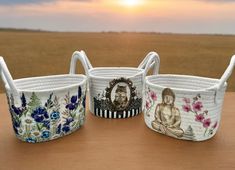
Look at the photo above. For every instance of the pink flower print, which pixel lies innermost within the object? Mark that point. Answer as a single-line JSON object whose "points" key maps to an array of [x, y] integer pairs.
{"points": [[206, 123], [186, 100], [199, 118], [187, 108], [215, 125], [197, 106], [147, 104], [153, 95]]}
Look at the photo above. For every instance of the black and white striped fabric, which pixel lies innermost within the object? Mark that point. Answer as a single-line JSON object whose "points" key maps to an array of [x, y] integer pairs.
{"points": [[116, 114]]}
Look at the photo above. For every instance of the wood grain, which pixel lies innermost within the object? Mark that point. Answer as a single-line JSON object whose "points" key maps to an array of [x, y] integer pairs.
{"points": [[119, 144]]}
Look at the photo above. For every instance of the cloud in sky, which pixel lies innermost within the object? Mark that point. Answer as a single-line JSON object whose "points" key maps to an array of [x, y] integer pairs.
{"points": [[16, 2], [185, 16], [20, 2], [212, 1]]}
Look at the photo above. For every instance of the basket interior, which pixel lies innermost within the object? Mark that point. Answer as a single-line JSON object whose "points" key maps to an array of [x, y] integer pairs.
{"points": [[48, 82], [113, 72], [182, 82]]}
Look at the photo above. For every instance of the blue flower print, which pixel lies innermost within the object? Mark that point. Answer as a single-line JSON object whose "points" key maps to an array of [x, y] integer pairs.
{"points": [[66, 129], [18, 110], [45, 134], [58, 129], [30, 140], [70, 106], [68, 121], [46, 124], [39, 120], [74, 99], [55, 115], [73, 105], [40, 114]]}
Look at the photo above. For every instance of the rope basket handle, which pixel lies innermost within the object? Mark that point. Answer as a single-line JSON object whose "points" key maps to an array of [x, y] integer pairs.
{"points": [[227, 73], [82, 57], [6, 76], [152, 59]]}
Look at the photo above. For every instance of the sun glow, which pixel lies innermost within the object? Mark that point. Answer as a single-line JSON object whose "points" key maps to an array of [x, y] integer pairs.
{"points": [[131, 3]]}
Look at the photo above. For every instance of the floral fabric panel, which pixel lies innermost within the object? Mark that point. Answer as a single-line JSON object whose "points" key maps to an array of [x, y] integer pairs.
{"points": [[179, 121], [35, 120]]}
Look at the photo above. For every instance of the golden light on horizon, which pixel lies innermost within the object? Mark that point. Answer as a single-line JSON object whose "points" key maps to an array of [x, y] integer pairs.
{"points": [[130, 3]]}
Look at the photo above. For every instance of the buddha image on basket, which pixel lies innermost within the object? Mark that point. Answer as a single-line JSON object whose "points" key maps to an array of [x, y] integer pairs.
{"points": [[167, 116], [189, 107]]}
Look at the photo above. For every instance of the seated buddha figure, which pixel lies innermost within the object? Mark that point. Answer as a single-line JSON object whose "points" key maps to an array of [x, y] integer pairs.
{"points": [[167, 116]]}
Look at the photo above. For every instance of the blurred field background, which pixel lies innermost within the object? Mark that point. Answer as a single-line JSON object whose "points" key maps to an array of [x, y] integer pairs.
{"points": [[36, 53]]}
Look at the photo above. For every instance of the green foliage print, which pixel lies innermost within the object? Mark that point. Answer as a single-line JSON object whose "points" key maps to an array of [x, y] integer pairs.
{"points": [[37, 121]]}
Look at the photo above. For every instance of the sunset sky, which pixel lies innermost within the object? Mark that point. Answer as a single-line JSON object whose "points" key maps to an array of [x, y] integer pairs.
{"points": [[177, 16]]}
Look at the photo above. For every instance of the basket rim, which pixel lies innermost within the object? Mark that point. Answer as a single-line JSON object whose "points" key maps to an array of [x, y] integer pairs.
{"points": [[48, 77], [140, 71], [209, 89]]}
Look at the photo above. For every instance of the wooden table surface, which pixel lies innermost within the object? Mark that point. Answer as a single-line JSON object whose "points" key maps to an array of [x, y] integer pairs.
{"points": [[119, 144]]}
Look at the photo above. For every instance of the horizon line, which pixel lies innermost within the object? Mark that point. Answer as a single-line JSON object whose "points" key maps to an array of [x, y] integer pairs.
{"points": [[12, 29]]}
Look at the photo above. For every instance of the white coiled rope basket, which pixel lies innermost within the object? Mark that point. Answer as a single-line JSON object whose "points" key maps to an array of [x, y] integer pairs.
{"points": [[116, 92], [185, 107], [45, 108]]}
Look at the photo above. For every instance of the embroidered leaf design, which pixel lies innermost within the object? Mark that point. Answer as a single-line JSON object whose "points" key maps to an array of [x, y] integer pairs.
{"points": [[25, 112], [67, 98], [73, 114], [23, 100], [66, 113], [49, 103], [79, 91], [56, 104], [34, 102]]}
